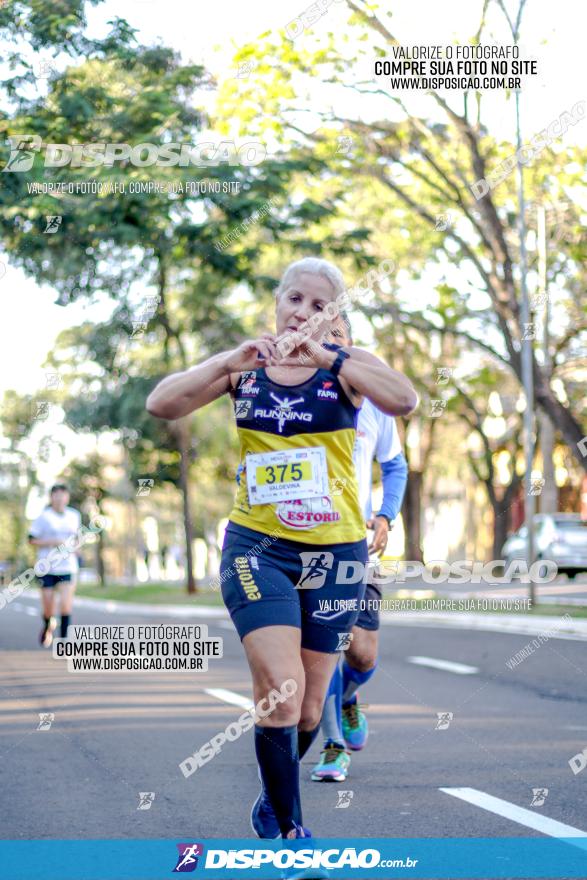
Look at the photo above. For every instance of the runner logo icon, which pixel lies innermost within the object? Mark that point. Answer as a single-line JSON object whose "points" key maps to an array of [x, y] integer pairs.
{"points": [[187, 859], [344, 800], [444, 719], [539, 795], [22, 152], [315, 568], [344, 641], [242, 409], [47, 719], [146, 799], [283, 411]]}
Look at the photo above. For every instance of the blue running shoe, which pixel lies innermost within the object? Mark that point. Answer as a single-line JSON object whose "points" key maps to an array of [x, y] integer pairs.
{"points": [[354, 726], [263, 820], [300, 833]]}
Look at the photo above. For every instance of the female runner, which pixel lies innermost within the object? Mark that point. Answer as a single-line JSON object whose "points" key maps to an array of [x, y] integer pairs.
{"points": [[296, 425]]}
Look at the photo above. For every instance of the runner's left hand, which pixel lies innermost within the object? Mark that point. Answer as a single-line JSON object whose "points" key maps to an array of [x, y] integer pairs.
{"points": [[308, 354], [381, 530]]}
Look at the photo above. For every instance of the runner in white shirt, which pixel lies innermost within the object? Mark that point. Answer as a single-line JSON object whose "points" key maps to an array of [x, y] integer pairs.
{"points": [[50, 530], [344, 725]]}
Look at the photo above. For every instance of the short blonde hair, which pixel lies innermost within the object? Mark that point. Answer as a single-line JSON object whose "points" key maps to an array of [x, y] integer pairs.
{"points": [[313, 266]]}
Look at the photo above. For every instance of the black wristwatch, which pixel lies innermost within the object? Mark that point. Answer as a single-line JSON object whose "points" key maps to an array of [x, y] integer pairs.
{"points": [[339, 361], [385, 516]]}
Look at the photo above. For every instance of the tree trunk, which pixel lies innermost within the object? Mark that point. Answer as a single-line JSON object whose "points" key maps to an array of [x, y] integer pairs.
{"points": [[503, 508], [183, 447], [501, 519], [100, 567], [549, 494], [178, 428], [561, 417], [412, 516]]}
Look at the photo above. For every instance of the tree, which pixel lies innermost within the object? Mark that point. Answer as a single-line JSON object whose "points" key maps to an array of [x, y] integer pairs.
{"points": [[484, 398], [419, 172], [18, 417], [163, 240]]}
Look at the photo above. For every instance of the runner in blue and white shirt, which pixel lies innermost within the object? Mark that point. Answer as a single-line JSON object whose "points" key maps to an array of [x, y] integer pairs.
{"points": [[344, 725]]}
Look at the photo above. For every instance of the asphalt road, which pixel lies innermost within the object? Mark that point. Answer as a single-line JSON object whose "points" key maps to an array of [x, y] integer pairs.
{"points": [[115, 735]]}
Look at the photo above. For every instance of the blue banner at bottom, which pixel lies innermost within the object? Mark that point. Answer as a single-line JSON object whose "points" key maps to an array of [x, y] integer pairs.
{"points": [[348, 858]]}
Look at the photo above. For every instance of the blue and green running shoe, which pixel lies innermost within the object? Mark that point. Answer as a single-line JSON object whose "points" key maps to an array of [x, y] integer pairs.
{"points": [[354, 726], [333, 765]]}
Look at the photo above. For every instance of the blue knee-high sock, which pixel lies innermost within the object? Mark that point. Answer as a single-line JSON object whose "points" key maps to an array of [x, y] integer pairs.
{"points": [[332, 713], [352, 679], [277, 754]]}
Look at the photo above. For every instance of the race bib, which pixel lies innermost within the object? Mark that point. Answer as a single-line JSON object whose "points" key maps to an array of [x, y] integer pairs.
{"points": [[287, 475]]}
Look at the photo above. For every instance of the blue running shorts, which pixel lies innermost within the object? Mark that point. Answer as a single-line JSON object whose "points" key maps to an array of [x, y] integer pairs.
{"points": [[370, 607], [269, 581], [51, 580]]}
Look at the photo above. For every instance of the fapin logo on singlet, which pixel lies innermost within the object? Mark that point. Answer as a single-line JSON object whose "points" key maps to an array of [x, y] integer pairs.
{"points": [[307, 513], [247, 385], [326, 392]]}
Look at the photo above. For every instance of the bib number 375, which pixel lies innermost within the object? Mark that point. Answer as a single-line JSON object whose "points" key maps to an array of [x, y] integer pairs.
{"points": [[283, 473], [287, 475]]}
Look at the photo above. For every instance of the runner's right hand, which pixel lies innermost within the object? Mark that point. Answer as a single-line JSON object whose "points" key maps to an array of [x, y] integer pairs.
{"points": [[252, 354]]}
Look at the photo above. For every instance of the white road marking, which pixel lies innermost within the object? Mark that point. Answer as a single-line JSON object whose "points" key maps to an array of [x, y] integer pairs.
{"points": [[230, 697], [32, 612], [447, 665], [517, 814]]}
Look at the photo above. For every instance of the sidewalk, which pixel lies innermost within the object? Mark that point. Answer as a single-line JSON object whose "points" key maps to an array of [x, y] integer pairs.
{"points": [[518, 624]]}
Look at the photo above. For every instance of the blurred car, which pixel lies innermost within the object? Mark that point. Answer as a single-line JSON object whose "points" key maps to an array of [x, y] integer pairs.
{"points": [[561, 537], [87, 576]]}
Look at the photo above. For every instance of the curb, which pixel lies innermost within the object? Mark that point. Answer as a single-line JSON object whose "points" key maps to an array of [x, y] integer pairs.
{"points": [[514, 624]]}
